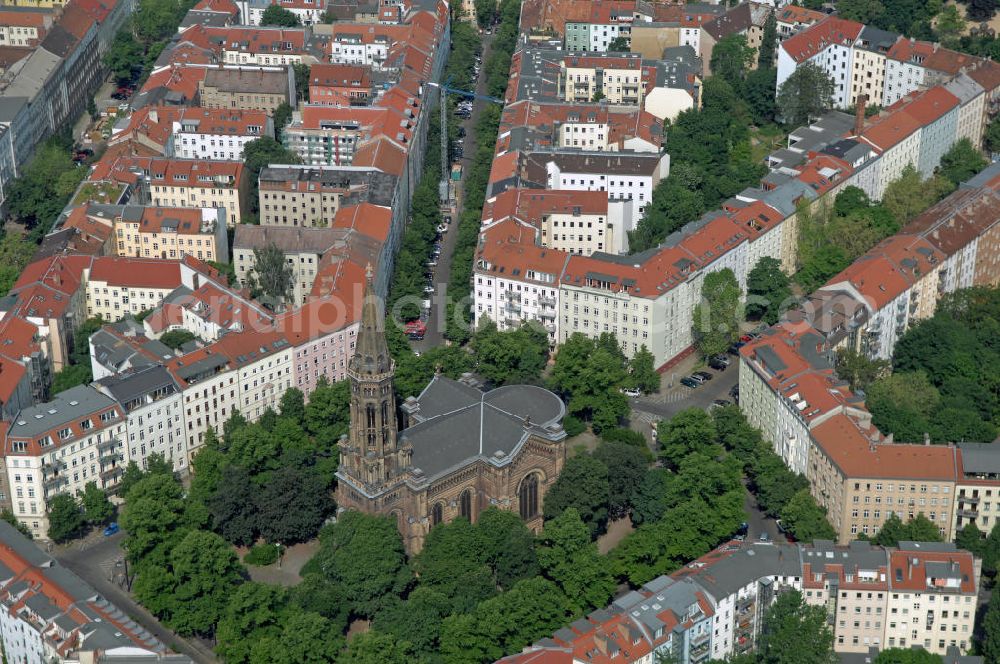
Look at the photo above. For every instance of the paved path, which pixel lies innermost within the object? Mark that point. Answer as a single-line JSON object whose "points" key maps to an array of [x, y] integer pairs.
{"points": [[96, 563], [671, 400], [436, 323]]}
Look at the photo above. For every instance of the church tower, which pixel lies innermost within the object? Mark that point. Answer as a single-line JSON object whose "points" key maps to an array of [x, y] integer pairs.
{"points": [[371, 458]]}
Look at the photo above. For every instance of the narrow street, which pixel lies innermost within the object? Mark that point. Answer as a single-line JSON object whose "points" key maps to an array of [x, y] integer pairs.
{"points": [[436, 322], [97, 565]]}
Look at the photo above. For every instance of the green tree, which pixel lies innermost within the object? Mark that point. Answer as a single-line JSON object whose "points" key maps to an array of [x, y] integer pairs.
{"points": [[796, 633], [16, 251], [619, 45], [504, 624], [990, 644], [152, 518], [278, 16], [123, 57], [271, 277], [862, 11], [508, 546], [732, 59], [305, 637], [364, 555], [642, 372], [991, 140], [909, 195], [292, 506], [510, 357], [588, 373], [204, 573], [768, 42], [691, 430], [717, 316], [626, 466], [917, 529], [66, 519], [9, 517], [293, 405], [768, 291], [858, 369], [902, 403], [232, 506], [981, 10], [950, 25], [961, 161], [256, 155], [805, 520], [252, 613], [583, 486], [971, 539], [485, 12], [97, 509], [417, 620], [907, 656], [570, 559], [991, 553], [302, 76], [805, 95], [176, 338], [375, 648], [758, 92]]}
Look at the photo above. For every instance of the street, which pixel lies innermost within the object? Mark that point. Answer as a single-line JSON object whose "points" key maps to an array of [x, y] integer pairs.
{"points": [[436, 324], [96, 564], [671, 400]]}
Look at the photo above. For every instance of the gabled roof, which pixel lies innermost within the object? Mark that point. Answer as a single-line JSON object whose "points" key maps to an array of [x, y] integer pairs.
{"points": [[816, 38]]}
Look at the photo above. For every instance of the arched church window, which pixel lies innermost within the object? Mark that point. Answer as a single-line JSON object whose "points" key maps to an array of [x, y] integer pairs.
{"points": [[527, 497], [465, 504], [437, 514]]}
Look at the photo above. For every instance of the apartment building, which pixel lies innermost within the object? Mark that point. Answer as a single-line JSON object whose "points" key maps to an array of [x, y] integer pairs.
{"points": [[49, 614], [171, 183], [977, 499], [330, 136], [576, 222], [294, 195], [746, 19], [24, 26], [617, 79], [247, 88], [870, 594], [793, 18], [340, 85], [886, 291], [516, 280], [263, 364], [60, 446], [625, 176], [172, 233], [151, 400], [932, 598], [607, 21], [217, 134], [209, 392], [309, 12], [882, 66], [527, 125], [303, 249], [242, 45], [118, 286]]}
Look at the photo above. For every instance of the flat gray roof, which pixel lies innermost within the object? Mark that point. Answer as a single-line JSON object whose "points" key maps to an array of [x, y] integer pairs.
{"points": [[66, 407]]}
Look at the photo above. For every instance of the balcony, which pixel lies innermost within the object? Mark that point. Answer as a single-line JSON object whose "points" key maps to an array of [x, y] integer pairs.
{"points": [[700, 639], [967, 514], [546, 301], [513, 296], [551, 315], [512, 309], [974, 500], [55, 483], [111, 457], [111, 475], [106, 445]]}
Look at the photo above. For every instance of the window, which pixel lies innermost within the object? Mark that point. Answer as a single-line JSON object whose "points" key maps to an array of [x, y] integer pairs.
{"points": [[527, 497], [437, 514], [465, 505]]}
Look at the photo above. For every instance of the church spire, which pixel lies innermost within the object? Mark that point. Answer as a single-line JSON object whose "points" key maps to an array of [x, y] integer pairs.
{"points": [[371, 353]]}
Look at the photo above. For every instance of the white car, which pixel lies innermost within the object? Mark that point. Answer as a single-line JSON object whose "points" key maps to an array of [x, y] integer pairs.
{"points": [[442, 228], [631, 391]]}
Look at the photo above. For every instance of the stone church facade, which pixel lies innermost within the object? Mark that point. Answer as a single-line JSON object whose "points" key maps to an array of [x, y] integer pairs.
{"points": [[456, 451]]}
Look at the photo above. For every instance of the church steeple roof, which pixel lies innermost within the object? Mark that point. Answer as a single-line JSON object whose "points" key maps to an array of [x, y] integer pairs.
{"points": [[371, 353]]}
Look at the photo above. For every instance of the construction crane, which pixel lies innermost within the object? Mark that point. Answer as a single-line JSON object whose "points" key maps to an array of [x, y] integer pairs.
{"points": [[447, 89]]}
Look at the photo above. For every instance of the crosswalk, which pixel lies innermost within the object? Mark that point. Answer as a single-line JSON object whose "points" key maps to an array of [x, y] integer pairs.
{"points": [[643, 416], [668, 397]]}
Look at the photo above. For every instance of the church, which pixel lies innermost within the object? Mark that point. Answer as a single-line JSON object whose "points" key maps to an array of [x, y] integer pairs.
{"points": [[452, 451]]}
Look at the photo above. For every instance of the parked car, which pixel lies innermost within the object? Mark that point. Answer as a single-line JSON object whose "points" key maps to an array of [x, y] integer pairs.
{"points": [[442, 228], [717, 364], [631, 391], [735, 348], [431, 263], [764, 537], [111, 529], [689, 382], [428, 289], [704, 375], [447, 220], [721, 403]]}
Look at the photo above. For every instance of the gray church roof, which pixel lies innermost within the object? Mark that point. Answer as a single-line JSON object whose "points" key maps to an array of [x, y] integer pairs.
{"points": [[457, 424]]}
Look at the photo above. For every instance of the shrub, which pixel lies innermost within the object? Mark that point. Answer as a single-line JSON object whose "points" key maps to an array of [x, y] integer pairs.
{"points": [[263, 554]]}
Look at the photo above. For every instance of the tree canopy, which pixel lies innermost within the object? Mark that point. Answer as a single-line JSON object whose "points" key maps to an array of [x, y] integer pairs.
{"points": [[805, 95], [717, 317]]}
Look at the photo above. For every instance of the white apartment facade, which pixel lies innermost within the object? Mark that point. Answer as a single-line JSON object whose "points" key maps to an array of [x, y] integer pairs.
{"points": [[631, 177], [60, 446], [193, 140], [351, 51]]}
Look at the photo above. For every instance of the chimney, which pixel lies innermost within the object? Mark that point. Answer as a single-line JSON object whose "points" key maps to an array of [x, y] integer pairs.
{"points": [[859, 114]]}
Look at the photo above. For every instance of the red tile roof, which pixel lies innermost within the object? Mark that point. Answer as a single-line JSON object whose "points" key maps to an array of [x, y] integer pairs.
{"points": [[816, 38], [137, 272], [374, 221]]}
